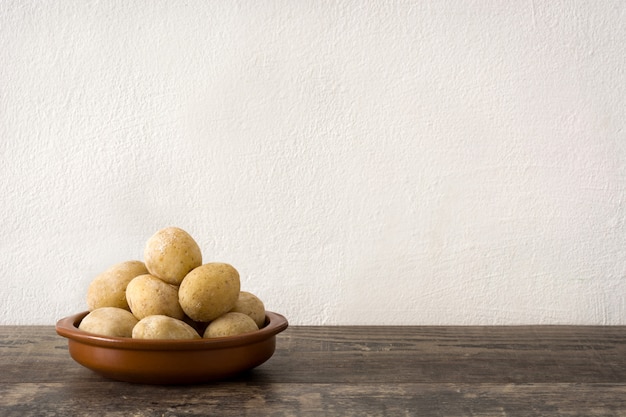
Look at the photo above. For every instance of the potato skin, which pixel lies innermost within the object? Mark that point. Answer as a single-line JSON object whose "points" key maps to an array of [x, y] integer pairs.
{"points": [[147, 295], [170, 254], [209, 291], [109, 321], [109, 288], [252, 306], [230, 324], [163, 327]]}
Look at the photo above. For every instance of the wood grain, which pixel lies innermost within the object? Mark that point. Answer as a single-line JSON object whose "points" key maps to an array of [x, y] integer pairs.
{"points": [[347, 371]]}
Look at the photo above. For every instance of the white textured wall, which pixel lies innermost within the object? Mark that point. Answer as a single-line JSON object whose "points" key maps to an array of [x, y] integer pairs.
{"points": [[426, 162]]}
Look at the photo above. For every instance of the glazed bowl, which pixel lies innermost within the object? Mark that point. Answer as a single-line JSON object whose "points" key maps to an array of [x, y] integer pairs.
{"points": [[170, 361]]}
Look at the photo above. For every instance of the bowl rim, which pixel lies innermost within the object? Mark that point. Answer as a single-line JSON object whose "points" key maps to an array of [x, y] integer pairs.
{"points": [[68, 328]]}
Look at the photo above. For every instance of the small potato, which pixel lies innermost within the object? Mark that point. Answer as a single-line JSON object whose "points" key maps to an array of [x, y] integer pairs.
{"points": [[170, 254], [109, 288], [109, 321], [250, 305], [147, 296], [209, 291], [230, 324], [163, 327]]}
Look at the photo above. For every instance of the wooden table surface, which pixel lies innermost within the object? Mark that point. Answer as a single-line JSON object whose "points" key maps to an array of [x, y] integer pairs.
{"points": [[347, 371]]}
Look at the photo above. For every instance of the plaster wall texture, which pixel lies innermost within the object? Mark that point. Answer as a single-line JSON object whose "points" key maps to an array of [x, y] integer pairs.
{"points": [[397, 162]]}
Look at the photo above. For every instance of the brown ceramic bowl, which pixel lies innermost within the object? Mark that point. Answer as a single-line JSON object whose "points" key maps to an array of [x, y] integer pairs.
{"points": [[170, 361]]}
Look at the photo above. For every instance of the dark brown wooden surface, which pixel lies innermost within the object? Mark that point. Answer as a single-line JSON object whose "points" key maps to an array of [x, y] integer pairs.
{"points": [[347, 371]]}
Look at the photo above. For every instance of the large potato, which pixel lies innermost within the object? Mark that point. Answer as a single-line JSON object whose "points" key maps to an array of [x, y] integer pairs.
{"points": [[163, 327], [147, 296], [230, 324], [109, 288], [109, 321], [250, 305], [209, 291], [170, 254]]}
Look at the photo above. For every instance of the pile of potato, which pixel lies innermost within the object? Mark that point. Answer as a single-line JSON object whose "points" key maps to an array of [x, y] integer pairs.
{"points": [[171, 295]]}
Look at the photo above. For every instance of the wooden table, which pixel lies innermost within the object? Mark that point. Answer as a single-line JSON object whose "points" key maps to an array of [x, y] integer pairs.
{"points": [[347, 371]]}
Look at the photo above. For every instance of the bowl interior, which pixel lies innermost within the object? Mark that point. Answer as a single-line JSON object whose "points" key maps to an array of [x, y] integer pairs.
{"points": [[68, 327]]}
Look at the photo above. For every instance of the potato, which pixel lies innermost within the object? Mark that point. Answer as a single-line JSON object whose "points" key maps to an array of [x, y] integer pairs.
{"points": [[230, 324], [147, 296], [109, 321], [170, 254], [209, 291], [109, 288], [250, 305], [163, 327]]}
